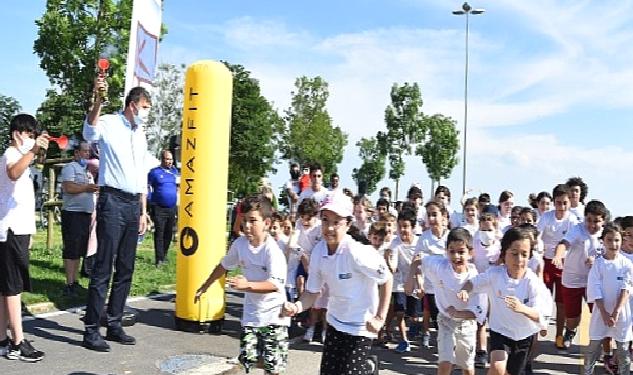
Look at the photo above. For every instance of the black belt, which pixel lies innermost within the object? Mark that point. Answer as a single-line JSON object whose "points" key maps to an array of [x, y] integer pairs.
{"points": [[119, 192]]}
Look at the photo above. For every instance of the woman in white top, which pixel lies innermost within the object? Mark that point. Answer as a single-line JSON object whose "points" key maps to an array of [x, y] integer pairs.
{"points": [[506, 202], [516, 302]]}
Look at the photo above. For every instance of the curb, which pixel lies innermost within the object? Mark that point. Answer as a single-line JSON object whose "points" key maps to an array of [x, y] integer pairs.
{"points": [[40, 308]]}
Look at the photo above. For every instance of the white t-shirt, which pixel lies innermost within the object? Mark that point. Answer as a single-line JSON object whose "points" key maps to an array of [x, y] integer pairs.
{"points": [[308, 237], [579, 211], [486, 253], [581, 246], [402, 257], [496, 283], [293, 186], [536, 262], [318, 196], [430, 245], [290, 247], [606, 280], [352, 275], [420, 220], [553, 230], [17, 199], [448, 283], [264, 263]]}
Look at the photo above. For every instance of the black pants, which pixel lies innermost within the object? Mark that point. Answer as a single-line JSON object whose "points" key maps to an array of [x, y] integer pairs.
{"points": [[345, 354], [118, 216], [164, 219]]}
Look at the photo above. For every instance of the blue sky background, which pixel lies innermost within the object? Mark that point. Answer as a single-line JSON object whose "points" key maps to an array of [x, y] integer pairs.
{"points": [[549, 88]]}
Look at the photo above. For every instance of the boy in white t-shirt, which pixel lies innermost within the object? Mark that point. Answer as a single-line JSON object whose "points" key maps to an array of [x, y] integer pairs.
{"points": [[432, 242], [578, 192], [518, 301], [359, 285], [552, 226], [609, 286], [17, 224], [581, 246], [399, 257], [264, 274], [457, 320]]}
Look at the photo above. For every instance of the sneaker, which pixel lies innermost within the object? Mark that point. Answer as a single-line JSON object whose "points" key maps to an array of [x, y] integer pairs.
{"points": [[559, 343], [426, 340], [4, 347], [94, 341], [24, 351], [481, 359], [69, 291], [610, 367], [309, 335], [568, 337], [403, 346], [118, 335]]}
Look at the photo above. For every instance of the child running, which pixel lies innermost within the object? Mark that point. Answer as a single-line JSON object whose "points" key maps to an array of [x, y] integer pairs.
{"points": [[581, 244], [456, 319], [610, 280], [516, 303], [264, 273], [359, 286]]}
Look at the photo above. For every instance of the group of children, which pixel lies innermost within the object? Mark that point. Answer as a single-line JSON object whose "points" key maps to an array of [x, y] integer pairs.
{"points": [[485, 278]]}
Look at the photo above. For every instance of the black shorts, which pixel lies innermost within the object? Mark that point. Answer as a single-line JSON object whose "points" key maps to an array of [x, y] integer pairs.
{"points": [[345, 354], [75, 234], [301, 271], [14, 265], [429, 304], [408, 304], [518, 351]]}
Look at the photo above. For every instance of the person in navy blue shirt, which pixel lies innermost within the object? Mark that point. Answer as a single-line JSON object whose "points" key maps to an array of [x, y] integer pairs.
{"points": [[163, 192]]}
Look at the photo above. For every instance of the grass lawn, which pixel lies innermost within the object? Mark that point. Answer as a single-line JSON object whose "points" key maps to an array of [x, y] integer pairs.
{"points": [[48, 280]]}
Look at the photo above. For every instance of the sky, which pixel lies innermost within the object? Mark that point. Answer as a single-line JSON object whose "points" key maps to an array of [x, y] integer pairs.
{"points": [[548, 92]]}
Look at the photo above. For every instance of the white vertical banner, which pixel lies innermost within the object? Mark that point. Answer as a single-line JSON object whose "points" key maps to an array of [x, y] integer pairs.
{"points": [[142, 56]]}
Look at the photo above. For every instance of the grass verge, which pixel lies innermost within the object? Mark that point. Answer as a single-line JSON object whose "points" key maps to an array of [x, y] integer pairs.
{"points": [[48, 280]]}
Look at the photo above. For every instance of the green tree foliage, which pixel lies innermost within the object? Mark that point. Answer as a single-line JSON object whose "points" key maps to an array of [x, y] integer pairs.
{"points": [[255, 129], [165, 118], [72, 35], [373, 168], [310, 136], [405, 126], [439, 151], [9, 107]]}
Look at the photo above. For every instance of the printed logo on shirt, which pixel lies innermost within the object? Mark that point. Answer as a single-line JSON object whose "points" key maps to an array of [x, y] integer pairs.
{"points": [[526, 300], [381, 270], [345, 276], [264, 268], [479, 309]]}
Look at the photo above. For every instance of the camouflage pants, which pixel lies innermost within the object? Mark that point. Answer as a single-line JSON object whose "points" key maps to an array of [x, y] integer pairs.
{"points": [[270, 343]]}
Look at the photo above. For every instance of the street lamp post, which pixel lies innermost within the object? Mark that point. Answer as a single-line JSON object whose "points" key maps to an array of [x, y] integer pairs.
{"points": [[466, 10]]}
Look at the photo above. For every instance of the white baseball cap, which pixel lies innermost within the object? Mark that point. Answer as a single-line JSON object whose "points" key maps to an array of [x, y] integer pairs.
{"points": [[338, 203]]}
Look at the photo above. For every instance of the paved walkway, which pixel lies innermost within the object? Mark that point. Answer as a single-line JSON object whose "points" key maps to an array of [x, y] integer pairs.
{"points": [[179, 353]]}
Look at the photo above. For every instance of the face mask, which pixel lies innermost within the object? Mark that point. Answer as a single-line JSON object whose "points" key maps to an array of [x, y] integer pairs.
{"points": [[27, 145], [487, 237], [141, 117]]}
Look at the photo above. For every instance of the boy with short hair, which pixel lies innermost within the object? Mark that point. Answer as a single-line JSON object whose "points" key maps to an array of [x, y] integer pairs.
{"points": [[580, 247], [457, 320], [552, 226], [264, 272], [17, 224], [399, 258]]}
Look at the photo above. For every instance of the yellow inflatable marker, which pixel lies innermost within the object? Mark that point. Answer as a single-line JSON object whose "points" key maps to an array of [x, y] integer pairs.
{"points": [[203, 184]]}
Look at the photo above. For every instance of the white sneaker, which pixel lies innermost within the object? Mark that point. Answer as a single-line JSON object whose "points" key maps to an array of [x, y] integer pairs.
{"points": [[309, 334]]}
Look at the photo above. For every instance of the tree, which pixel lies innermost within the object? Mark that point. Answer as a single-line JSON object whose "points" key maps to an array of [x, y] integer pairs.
{"points": [[439, 151], [165, 118], [9, 107], [72, 35], [255, 129], [310, 136], [405, 126], [373, 168]]}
